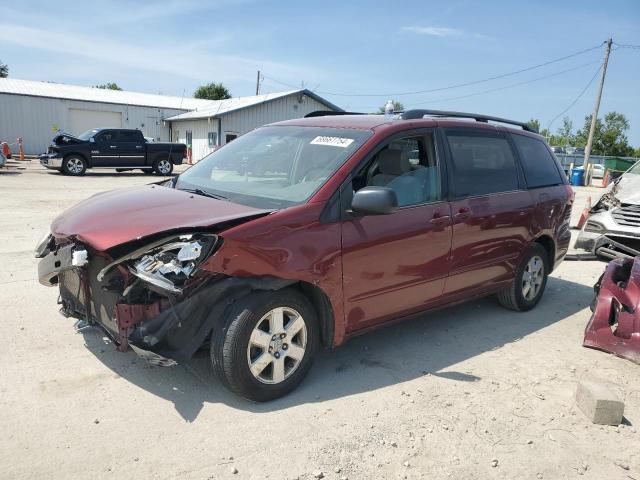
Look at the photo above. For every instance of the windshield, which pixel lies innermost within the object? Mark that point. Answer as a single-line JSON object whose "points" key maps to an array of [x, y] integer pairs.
{"points": [[88, 134], [273, 167]]}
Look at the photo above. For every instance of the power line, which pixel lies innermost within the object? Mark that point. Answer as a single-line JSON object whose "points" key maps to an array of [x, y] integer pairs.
{"points": [[626, 45], [505, 87], [449, 87], [576, 99]]}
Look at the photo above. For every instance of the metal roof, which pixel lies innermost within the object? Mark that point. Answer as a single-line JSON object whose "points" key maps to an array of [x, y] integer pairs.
{"points": [[91, 94], [219, 108]]}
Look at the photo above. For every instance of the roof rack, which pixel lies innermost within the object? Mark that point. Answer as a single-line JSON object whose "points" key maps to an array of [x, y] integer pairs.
{"points": [[326, 113], [420, 113]]}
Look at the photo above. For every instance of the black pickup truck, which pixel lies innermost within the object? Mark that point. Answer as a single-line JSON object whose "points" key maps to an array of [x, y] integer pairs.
{"points": [[117, 148]]}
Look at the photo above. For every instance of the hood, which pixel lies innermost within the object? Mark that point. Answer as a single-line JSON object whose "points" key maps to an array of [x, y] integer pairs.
{"points": [[113, 218], [66, 139], [627, 189]]}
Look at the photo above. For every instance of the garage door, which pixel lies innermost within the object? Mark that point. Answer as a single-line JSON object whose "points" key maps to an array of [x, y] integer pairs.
{"points": [[81, 120]]}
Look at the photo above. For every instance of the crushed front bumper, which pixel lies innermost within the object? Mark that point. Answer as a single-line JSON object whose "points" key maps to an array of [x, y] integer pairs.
{"points": [[166, 329], [614, 326], [51, 161]]}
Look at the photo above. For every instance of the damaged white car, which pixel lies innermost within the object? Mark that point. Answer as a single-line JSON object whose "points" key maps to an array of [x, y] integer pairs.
{"points": [[611, 227]]}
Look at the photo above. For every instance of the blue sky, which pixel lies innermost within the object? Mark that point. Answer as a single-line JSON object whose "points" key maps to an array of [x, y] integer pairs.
{"points": [[173, 46]]}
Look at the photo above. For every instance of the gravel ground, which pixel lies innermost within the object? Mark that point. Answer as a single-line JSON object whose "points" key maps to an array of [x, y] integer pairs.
{"points": [[473, 391]]}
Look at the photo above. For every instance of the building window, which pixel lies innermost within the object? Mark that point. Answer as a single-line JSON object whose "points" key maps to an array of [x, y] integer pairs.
{"points": [[230, 137], [213, 139], [189, 139]]}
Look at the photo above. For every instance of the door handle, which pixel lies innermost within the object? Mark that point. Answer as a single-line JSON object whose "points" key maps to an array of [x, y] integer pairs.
{"points": [[113, 146], [138, 146], [462, 213], [440, 219]]}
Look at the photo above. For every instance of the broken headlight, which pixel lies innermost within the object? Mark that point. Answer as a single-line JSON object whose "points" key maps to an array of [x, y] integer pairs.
{"points": [[592, 226], [169, 266]]}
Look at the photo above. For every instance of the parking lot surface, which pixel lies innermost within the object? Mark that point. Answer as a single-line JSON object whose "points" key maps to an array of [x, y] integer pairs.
{"points": [[472, 391]]}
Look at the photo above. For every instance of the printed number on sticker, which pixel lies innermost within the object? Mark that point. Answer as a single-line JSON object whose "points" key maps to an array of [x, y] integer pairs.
{"points": [[332, 141]]}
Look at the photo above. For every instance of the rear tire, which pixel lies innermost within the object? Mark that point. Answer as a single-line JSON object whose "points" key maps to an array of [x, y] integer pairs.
{"points": [[163, 167], [74, 165], [531, 279], [267, 345]]}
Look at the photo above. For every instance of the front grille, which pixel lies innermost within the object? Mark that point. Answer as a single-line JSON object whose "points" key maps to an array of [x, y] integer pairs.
{"points": [[628, 215]]}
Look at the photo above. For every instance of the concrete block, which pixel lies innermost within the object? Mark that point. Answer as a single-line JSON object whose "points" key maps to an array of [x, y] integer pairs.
{"points": [[599, 403]]}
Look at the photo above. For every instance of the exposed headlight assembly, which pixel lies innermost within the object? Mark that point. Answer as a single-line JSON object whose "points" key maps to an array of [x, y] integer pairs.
{"points": [[169, 266], [167, 263]]}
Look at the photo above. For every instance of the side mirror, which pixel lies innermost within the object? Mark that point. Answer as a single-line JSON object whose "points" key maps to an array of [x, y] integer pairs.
{"points": [[92, 140], [374, 201]]}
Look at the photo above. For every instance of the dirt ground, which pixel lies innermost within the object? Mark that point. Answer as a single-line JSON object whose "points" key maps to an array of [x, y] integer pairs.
{"points": [[449, 395]]}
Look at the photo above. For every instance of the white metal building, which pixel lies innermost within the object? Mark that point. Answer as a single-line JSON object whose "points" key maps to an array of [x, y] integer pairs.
{"points": [[35, 111], [221, 121]]}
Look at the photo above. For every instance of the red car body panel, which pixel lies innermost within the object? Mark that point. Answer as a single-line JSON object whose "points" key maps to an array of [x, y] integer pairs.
{"points": [[394, 264], [614, 326], [120, 216], [372, 269]]}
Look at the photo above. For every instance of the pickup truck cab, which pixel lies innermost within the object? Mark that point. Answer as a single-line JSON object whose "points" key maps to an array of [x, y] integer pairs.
{"points": [[122, 149]]}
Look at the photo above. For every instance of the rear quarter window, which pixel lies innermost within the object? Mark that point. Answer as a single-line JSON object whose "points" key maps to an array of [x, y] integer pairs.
{"points": [[540, 169]]}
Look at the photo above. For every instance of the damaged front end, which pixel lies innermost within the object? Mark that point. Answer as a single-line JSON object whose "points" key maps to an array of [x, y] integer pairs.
{"points": [[611, 228], [158, 281], [614, 326]]}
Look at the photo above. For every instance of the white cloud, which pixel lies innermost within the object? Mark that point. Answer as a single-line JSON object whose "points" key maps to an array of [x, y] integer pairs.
{"points": [[190, 61], [433, 31]]}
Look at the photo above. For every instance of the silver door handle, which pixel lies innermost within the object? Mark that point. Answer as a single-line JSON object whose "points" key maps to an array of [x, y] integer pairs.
{"points": [[138, 146], [113, 146]]}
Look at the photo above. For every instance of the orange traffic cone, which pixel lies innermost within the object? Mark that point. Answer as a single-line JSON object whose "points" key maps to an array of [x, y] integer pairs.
{"points": [[20, 149]]}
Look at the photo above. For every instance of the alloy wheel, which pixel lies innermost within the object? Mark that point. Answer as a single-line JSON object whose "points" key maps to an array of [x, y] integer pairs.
{"points": [[277, 345], [532, 278], [75, 165], [164, 167]]}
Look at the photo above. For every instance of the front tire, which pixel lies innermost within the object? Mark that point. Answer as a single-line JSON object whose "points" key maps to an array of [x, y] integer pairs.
{"points": [[163, 167], [74, 165], [531, 279], [267, 346]]}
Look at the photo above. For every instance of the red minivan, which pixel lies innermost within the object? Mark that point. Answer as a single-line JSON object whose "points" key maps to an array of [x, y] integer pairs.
{"points": [[306, 232]]}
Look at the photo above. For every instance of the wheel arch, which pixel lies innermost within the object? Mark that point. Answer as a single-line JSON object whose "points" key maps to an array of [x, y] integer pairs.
{"points": [[78, 154], [322, 305], [550, 247]]}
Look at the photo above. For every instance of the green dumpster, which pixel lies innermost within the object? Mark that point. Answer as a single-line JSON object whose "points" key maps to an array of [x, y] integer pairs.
{"points": [[618, 164]]}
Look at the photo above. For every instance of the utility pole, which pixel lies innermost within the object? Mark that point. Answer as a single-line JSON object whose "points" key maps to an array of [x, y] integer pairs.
{"points": [[594, 116], [258, 83]]}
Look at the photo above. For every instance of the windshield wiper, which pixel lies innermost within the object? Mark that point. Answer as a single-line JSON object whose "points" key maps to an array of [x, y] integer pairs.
{"points": [[199, 191]]}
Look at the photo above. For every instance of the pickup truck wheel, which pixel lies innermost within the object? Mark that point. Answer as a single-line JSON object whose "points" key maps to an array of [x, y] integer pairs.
{"points": [[163, 167], [74, 165], [268, 345], [531, 278]]}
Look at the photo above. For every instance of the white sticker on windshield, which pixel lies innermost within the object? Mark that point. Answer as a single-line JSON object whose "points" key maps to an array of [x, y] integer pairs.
{"points": [[332, 141]]}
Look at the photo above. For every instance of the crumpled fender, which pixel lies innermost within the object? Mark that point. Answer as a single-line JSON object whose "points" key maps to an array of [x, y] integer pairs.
{"points": [[176, 333], [614, 326]]}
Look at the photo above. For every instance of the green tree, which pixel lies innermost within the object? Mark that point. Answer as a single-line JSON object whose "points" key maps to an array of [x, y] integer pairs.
{"points": [[4, 70], [212, 91], [534, 123], [610, 136], [397, 107], [109, 86]]}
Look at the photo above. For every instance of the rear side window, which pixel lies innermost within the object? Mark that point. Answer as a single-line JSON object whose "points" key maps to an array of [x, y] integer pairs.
{"points": [[482, 163], [539, 167], [129, 136]]}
